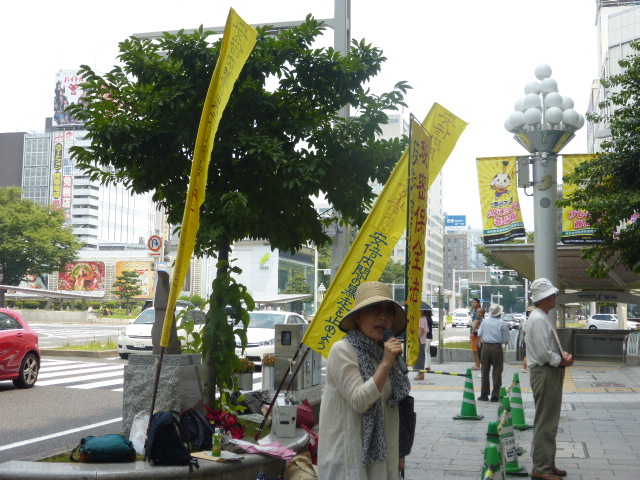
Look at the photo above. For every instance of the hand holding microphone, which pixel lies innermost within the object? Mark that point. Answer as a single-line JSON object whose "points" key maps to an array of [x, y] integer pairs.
{"points": [[395, 347]]}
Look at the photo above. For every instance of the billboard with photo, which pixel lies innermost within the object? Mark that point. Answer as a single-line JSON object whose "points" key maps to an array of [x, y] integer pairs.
{"points": [[82, 277], [146, 280], [67, 92]]}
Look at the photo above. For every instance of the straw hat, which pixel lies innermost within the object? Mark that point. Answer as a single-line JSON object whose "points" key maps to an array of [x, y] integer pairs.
{"points": [[373, 293]]}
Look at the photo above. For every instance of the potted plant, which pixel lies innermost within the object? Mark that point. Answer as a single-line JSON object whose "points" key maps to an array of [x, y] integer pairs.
{"points": [[244, 372], [268, 371]]}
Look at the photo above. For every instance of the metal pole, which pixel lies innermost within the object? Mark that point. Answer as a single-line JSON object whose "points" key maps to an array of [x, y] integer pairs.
{"points": [[545, 194]]}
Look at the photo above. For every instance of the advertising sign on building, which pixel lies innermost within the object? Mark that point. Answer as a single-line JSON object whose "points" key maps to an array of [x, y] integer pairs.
{"points": [[146, 278], [56, 183], [456, 222], [82, 277], [67, 92]]}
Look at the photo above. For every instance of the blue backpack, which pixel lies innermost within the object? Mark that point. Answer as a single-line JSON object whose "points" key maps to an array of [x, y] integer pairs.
{"points": [[167, 443]]}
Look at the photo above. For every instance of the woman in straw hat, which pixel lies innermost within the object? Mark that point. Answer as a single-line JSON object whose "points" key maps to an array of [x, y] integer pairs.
{"points": [[359, 422]]}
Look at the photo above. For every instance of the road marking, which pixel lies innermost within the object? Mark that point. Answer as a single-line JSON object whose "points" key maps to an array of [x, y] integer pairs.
{"points": [[96, 369], [104, 383], [81, 378], [59, 434]]}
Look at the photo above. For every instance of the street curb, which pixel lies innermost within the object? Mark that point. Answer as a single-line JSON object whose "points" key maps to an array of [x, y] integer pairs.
{"points": [[48, 352]]}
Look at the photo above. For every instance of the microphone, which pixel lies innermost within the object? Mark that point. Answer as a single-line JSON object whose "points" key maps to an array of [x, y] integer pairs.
{"points": [[388, 334]]}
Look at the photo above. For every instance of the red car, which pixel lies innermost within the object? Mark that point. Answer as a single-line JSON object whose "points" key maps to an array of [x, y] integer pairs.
{"points": [[19, 350]]}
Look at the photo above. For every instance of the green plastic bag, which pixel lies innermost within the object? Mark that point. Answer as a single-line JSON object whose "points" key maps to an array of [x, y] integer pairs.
{"points": [[112, 448]]}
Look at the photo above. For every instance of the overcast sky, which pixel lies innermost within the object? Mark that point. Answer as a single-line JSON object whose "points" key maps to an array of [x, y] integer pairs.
{"points": [[471, 56]]}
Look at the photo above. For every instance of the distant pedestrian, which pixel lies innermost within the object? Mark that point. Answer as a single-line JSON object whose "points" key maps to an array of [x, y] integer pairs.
{"points": [[493, 334], [547, 362], [426, 335], [477, 315]]}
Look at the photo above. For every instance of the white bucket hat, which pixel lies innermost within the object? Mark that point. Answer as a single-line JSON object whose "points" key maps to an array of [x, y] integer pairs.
{"points": [[541, 289], [495, 310], [373, 293]]}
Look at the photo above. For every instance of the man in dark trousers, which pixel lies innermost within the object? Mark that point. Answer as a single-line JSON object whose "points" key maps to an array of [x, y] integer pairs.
{"points": [[547, 362], [493, 334]]}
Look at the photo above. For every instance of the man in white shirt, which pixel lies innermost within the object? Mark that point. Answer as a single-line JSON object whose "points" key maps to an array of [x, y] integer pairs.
{"points": [[547, 362], [492, 334]]}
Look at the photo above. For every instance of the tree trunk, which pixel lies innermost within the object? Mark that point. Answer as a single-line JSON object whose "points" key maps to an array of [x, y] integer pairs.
{"points": [[210, 370]]}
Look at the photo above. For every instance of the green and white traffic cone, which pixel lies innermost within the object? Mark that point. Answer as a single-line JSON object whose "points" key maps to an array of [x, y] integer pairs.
{"points": [[493, 468], [508, 443], [493, 435], [517, 409], [468, 410], [503, 393]]}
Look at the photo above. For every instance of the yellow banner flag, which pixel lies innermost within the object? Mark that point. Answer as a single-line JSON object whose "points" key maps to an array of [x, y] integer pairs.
{"points": [[575, 223], [237, 43], [385, 225], [501, 213], [420, 148]]}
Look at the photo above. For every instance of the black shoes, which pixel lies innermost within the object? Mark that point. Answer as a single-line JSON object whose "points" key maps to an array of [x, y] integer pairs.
{"points": [[495, 399], [483, 398]]}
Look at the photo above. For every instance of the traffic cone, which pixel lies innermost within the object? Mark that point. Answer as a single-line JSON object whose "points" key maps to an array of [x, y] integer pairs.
{"points": [[508, 443], [493, 435], [503, 393], [493, 468], [468, 410], [517, 410]]}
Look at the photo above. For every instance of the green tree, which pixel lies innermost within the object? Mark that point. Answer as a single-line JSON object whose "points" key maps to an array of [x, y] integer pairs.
{"points": [[610, 183], [394, 272], [297, 284], [280, 141], [127, 286], [33, 238]]}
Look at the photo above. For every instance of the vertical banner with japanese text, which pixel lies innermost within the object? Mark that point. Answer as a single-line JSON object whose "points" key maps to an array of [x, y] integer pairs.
{"points": [[238, 41], [378, 236], [575, 223], [419, 149], [501, 214]]}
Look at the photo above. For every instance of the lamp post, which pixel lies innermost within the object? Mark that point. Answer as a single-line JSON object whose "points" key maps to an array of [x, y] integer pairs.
{"points": [[543, 123]]}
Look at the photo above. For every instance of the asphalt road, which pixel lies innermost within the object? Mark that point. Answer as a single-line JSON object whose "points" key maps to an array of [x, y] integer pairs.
{"points": [[54, 417], [53, 335]]}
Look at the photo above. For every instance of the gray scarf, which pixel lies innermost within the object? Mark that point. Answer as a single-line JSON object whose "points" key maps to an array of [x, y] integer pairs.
{"points": [[374, 443]]}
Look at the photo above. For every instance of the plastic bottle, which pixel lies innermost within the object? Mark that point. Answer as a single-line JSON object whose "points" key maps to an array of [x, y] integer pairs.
{"points": [[216, 442]]}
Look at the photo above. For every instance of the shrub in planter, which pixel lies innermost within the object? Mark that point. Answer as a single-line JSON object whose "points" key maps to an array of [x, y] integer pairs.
{"points": [[268, 359], [245, 366]]}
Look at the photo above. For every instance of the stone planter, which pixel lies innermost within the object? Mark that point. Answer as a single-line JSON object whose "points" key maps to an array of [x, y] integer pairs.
{"points": [[245, 381], [268, 375]]}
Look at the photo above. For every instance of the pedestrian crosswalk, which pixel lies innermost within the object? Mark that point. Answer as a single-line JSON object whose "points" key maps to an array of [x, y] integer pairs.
{"points": [[81, 375], [89, 375]]}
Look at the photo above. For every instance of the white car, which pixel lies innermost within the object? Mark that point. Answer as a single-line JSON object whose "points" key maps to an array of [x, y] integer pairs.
{"points": [[461, 318], [136, 338], [607, 321], [261, 332]]}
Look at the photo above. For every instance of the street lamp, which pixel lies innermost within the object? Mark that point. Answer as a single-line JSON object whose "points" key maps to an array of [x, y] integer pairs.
{"points": [[543, 123]]}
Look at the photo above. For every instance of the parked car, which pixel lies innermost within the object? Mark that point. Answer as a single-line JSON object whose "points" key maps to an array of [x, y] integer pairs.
{"points": [[608, 321], [261, 333], [136, 338], [461, 318], [19, 350], [511, 321], [519, 317]]}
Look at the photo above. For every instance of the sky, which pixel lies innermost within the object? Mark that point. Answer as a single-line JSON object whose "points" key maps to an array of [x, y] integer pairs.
{"points": [[473, 57]]}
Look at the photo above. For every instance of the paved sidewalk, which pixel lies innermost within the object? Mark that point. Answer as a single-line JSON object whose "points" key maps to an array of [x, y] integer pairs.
{"points": [[598, 438]]}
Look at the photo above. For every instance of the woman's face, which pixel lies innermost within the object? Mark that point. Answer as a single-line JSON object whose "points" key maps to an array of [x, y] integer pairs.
{"points": [[374, 320]]}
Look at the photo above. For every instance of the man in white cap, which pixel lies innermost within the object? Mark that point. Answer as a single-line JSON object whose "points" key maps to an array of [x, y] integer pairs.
{"points": [[492, 334], [547, 362]]}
